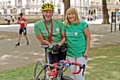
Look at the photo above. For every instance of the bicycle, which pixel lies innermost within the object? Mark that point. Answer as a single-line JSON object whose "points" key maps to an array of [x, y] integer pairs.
{"points": [[57, 71]]}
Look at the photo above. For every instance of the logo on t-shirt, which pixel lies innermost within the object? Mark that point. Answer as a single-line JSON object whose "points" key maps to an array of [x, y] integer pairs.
{"points": [[57, 29], [76, 34]]}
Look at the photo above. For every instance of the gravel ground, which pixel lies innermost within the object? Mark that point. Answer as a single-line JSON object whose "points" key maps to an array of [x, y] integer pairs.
{"points": [[12, 57]]}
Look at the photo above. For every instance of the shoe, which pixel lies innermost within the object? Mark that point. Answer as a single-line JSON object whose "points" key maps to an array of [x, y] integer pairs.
{"points": [[18, 44], [27, 42]]}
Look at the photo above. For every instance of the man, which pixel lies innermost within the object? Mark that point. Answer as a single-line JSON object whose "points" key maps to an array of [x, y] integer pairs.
{"points": [[51, 32], [23, 24]]}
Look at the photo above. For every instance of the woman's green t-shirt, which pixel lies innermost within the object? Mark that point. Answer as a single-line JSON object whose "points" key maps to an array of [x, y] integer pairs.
{"points": [[76, 41]]}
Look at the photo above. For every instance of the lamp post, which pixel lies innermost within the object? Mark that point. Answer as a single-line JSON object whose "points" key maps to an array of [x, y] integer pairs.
{"points": [[43, 1]]}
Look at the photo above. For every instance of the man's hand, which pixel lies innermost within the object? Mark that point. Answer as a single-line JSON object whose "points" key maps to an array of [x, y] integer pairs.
{"points": [[56, 49]]}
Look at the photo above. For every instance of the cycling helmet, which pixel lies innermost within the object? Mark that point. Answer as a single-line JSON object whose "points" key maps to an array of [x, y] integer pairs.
{"points": [[47, 6]]}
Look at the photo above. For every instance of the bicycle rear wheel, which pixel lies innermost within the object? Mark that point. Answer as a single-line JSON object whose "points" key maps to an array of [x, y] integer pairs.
{"points": [[66, 78], [39, 71]]}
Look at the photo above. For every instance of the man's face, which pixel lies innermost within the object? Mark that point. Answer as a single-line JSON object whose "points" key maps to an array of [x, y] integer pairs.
{"points": [[21, 16], [47, 15]]}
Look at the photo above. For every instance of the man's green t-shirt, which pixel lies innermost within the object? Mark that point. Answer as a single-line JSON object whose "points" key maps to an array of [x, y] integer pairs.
{"points": [[76, 41], [58, 27]]}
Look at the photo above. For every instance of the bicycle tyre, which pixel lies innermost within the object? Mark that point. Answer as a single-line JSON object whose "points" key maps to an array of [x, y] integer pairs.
{"points": [[36, 75], [66, 78]]}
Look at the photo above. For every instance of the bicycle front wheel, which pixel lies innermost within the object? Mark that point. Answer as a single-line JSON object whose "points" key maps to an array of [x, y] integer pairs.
{"points": [[39, 72], [66, 78]]}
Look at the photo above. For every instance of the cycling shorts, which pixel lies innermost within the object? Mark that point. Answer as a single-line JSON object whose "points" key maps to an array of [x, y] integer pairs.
{"points": [[23, 30], [52, 58]]}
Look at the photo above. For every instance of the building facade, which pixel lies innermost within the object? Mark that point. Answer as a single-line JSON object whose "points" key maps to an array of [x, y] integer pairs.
{"points": [[96, 7], [84, 7], [27, 6]]}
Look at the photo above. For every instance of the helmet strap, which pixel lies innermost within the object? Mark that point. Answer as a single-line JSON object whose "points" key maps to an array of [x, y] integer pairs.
{"points": [[45, 19]]}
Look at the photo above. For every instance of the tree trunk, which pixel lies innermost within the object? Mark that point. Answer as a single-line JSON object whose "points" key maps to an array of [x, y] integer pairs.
{"points": [[105, 13], [66, 6]]}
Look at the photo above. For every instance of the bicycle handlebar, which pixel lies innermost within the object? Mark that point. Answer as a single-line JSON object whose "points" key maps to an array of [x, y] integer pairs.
{"points": [[46, 45], [76, 64], [55, 66]]}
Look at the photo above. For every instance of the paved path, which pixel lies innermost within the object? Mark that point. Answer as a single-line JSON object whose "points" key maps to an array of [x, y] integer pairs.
{"points": [[12, 57]]}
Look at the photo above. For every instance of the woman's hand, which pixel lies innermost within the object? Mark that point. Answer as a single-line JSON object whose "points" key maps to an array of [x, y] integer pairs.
{"points": [[86, 54]]}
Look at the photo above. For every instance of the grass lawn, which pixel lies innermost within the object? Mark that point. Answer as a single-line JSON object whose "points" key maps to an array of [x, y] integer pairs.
{"points": [[103, 64]]}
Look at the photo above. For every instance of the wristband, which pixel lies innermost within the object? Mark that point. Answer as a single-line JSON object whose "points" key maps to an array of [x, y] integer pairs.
{"points": [[50, 45]]}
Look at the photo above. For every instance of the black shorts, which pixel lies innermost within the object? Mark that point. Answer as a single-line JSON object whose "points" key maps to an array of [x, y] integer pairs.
{"points": [[52, 58], [23, 30], [13, 20]]}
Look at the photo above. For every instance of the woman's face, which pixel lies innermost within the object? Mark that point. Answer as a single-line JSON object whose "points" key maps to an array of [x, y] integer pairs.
{"points": [[47, 15], [71, 17]]}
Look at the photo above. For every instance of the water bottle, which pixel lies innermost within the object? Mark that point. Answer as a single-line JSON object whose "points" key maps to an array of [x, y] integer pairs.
{"points": [[66, 64]]}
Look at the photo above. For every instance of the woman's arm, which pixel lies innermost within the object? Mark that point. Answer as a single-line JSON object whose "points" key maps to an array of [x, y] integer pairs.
{"points": [[63, 39], [88, 38]]}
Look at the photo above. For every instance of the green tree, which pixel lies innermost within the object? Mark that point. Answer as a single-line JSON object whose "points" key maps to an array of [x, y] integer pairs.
{"points": [[105, 12]]}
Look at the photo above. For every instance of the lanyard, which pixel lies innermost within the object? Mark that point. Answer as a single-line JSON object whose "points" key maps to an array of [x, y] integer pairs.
{"points": [[51, 30]]}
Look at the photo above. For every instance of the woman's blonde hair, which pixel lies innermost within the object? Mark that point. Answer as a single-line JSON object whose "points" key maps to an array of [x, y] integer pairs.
{"points": [[71, 10]]}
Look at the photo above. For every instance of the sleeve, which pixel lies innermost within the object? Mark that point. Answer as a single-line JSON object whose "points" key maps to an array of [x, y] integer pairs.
{"points": [[37, 29], [25, 20], [62, 27], [84, 24]]}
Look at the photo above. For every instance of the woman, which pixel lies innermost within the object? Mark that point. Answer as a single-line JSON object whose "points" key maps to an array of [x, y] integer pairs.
{"points": [[78, 41]]}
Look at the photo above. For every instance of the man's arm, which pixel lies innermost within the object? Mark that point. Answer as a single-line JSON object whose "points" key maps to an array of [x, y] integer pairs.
{"points": [[25, 24], [41, 39]]}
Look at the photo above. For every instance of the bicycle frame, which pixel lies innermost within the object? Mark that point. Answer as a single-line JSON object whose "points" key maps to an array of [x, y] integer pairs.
{"points": [[58, 69]]}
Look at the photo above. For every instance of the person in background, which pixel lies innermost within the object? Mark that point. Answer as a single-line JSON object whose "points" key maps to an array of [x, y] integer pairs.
{"points": [[8, 19], [51, 32], [23, 29], [5, 17], [13, 18], [77, 41]]}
